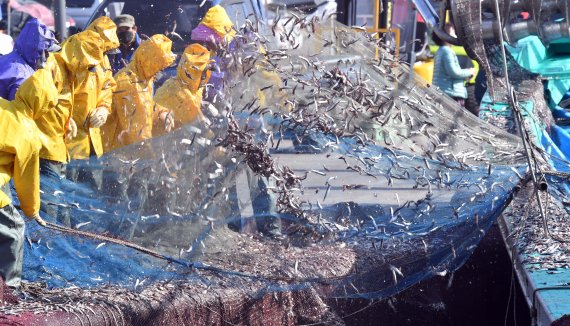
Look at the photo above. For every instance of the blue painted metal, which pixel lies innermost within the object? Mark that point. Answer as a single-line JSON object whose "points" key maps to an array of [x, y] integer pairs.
{"points": [[547, 292], [501, 109], [532, 55]]}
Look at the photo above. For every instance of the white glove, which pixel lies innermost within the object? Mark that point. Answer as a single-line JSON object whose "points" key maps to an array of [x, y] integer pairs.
{"points": [[38, 219], [71, 130], [98, 117], [168, 119]]}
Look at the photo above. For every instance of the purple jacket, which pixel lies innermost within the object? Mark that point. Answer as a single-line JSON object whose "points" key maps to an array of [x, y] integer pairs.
{"points": [[18, 65], [216, 80], [205, 34]]}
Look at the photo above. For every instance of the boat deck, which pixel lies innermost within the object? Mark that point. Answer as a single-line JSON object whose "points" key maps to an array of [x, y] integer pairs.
{"points": [[541, 264]]}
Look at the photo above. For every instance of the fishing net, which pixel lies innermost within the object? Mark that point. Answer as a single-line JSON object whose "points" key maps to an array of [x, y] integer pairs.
{"points": [[322, 170]]}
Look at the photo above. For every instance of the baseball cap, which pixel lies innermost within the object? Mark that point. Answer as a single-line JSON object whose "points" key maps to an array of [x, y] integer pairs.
{"points": [[125, 20]]}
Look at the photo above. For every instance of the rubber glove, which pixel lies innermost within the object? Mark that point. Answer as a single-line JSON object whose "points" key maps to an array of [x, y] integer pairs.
{"points": [[168, 119], [38, 219], [71, 130], [98, 117]]}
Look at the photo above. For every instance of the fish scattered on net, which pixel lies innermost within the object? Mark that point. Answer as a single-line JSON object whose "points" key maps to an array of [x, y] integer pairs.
{"points": [[377, 180]]}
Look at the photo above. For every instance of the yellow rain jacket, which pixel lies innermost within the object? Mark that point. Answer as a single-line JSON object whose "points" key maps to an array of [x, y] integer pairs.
{"points": [[79, 53], [217, 19], [182, 94], [20, 144], [93, 89], [267, 84], [134, 110]]}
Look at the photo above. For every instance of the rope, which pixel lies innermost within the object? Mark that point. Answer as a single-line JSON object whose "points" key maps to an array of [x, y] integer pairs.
{"points": [[183, 263], [120, 242]]}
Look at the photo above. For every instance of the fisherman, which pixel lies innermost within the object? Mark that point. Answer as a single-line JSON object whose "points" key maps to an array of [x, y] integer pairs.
{"points": [[19, 157], [29, 54], [215, 32], [182, 94], [133, 119], [79, 55], [129, 40], [92, 99], [134, 111]]}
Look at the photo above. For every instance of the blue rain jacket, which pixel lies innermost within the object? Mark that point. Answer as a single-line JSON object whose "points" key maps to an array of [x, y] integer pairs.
{"points": [[18, 65], [448, 75]]}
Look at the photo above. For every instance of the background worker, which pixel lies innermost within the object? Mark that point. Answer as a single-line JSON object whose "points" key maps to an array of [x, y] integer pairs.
{"points": [[92, 99], [30, 53], [447, 73], [19, 159], [216, 32], [129, 40]]}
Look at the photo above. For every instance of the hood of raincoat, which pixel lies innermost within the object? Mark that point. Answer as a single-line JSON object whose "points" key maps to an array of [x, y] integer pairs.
{"points": [[216, 24], [82, 51], [37, 95], [192, 65], [107, 30], [152, 56], [34, 38]]}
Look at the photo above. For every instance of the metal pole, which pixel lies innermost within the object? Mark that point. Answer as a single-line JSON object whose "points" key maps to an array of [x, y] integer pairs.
{"points": [[384, 15], [413, 49], [60, 18], [377, 5], [9, 13], [353, 13]]}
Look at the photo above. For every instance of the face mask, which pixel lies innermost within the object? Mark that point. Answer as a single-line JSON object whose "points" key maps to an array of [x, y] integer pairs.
{"points": [[41, 62], [126, 37]]}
